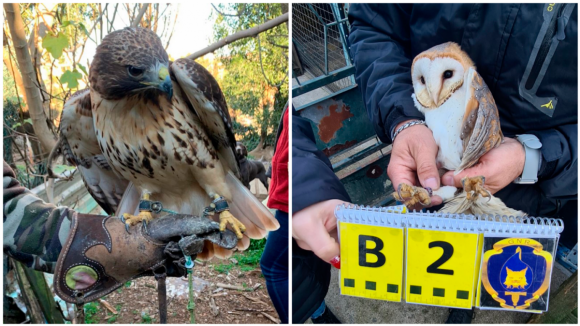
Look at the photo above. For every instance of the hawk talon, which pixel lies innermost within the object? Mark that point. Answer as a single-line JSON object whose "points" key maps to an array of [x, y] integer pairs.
{"points": [[143, 217], [237, 226], [145, 227]]}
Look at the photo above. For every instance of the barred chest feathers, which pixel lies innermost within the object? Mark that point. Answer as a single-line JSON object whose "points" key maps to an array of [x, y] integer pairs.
{"points": [[151, 142]]}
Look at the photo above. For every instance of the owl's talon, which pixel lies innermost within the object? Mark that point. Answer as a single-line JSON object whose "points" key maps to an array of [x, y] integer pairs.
{"points": [[398, 194], [473, 187], [411, 195]]}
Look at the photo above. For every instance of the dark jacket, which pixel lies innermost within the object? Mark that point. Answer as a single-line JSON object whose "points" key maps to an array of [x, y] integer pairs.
{"points": [[313, 181], [500, 39]]}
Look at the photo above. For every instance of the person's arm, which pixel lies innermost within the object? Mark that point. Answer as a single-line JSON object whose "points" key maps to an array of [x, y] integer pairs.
{"points": [[381, 49], [34, 231], [558, 175], [316, 191]]}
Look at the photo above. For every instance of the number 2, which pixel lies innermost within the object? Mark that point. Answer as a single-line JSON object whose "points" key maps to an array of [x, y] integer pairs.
{"points": [[447, 253]]}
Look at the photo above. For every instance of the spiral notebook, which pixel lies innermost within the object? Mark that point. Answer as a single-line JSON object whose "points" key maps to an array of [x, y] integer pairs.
{"points": [[449, 260]]}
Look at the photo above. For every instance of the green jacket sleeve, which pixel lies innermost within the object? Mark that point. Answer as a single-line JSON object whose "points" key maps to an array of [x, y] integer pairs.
{"points": [[34, 231]]}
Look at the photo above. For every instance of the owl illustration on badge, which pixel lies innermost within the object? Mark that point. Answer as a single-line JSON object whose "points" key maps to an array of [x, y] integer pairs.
{"points": [[516, 272]]}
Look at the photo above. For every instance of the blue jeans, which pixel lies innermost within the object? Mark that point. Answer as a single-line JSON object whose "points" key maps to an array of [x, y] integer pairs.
{"points": [[319, 311], [274, 265]]}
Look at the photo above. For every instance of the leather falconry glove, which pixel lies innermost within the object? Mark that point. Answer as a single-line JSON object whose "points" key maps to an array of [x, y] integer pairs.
{"points": [[99, 255]]}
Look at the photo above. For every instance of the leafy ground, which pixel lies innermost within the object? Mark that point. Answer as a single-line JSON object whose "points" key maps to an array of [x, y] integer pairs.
{"points": [[136, 302]]}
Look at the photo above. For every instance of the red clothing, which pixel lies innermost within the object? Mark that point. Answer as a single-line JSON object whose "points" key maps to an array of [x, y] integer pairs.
{"points": [[279, 188]]}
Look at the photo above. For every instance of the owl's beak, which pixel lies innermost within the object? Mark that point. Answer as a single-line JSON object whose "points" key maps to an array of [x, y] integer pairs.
{"points": [[165, 81], [435, 92], [436, 98]]}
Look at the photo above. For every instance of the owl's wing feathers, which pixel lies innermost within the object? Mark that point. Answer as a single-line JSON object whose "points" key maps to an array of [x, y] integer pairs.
{"points": [[206, 99], [202, 94], [81, 149], [481, 130]]}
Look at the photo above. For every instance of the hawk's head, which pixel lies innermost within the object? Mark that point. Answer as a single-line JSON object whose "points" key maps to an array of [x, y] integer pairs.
{"points": [[129, 61]]}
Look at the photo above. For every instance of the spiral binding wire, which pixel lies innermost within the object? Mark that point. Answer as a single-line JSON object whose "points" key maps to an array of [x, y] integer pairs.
{"points": [[393, 216]]}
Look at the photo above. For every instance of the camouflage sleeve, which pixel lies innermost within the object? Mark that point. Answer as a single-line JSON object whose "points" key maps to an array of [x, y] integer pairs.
{"points": [[34, 231]]}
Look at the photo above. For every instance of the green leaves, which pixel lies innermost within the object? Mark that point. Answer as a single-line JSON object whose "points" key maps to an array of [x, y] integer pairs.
{"points": [[83, 69], [55, 44], [71, 78]]}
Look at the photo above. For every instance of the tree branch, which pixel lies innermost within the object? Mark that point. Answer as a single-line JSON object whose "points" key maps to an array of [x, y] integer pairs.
{"points": [[227, 15], [34, 104], [137, 20], [172, 29], [110, 26], [240, 35]]}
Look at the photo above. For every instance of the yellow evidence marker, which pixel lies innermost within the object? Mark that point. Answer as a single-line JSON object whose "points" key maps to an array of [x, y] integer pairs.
{"points": [[372, 261], [441, 268]]}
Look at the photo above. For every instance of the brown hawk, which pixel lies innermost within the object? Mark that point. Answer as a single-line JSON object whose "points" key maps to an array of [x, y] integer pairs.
{"points": [[163, 127]]}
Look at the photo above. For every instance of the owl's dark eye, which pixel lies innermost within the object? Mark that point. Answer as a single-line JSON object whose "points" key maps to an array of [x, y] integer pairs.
{"points": [[448, 74], [134, 71], [422, 80]]}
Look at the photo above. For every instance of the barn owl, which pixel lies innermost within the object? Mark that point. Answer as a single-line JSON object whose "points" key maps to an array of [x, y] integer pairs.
{"points": [[460, 111]]}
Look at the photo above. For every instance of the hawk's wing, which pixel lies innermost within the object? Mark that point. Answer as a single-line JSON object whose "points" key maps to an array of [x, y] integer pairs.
{"points": [[80, 148], [480, 131], [202, 94], [207, 101]]}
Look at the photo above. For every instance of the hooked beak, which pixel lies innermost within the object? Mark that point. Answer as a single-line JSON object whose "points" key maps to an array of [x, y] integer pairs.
{"points": [[165, 82], [161, 80]]}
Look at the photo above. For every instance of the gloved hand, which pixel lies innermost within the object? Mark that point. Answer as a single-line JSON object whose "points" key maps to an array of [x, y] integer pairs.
{"points": [[100, 255]]}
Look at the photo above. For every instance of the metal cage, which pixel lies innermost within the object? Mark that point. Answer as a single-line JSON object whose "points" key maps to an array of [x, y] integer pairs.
{"points": [[320, 38]]}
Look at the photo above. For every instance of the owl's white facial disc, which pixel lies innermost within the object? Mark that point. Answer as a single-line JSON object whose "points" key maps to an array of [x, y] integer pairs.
{"points": [[434, 81]]}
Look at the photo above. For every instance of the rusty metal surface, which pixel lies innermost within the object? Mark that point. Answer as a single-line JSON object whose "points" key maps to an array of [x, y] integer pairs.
{"points": [[339, 122]]}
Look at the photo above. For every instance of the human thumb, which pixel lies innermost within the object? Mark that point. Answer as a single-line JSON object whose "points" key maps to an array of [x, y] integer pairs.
{"points": [[427, 170]]}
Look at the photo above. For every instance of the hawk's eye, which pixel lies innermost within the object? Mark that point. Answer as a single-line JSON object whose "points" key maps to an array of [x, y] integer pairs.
{"points": [[448, 74], [422, 80], [134, 71]]}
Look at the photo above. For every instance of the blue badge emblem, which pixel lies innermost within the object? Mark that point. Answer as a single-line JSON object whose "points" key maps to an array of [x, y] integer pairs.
{"points": [[516, 272]]}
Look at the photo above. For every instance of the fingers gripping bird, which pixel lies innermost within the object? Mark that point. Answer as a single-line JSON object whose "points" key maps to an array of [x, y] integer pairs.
{"points": [[461, 112], [165, 128]]}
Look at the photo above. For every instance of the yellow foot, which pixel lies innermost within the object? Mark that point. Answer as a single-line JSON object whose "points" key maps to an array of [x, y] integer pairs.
{"points": [[411, 195], [131, 220], [473, 187], [225, 218]]}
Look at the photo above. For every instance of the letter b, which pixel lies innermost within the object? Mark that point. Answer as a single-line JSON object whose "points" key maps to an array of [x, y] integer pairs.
{"points": [[363, 251]]}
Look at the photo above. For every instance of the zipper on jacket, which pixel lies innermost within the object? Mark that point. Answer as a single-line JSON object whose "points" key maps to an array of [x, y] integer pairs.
{"points": [[557, 24]]}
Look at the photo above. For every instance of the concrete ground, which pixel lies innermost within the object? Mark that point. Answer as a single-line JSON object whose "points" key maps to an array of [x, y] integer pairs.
{"points": [[352, 310]]}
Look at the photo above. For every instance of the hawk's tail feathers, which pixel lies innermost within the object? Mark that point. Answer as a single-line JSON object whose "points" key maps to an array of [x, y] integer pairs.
{"points": [[248, 210]]}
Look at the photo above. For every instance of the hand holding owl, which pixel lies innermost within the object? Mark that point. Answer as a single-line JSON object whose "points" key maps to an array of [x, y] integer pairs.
{"points": [[414, 156], [500, 166]]}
